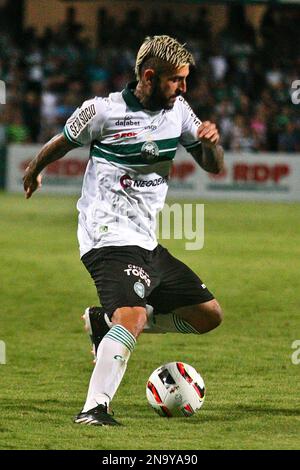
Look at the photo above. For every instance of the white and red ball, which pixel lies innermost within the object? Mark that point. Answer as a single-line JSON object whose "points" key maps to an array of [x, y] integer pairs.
{"points": [[175, 389]]}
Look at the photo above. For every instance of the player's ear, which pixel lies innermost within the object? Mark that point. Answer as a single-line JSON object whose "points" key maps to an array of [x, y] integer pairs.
{"points": [[149, 76]]}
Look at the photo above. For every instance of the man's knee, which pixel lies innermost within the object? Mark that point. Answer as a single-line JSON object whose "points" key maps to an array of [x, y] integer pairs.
{"points": [[209, 315], [214, 312], [203, 317], [132, 318]]}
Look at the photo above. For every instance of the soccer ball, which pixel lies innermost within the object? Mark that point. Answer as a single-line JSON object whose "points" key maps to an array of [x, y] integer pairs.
{"points": [[175, 389]]}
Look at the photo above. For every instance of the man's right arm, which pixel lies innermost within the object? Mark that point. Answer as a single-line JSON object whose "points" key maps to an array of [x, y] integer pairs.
{"points": [[53, 150]]}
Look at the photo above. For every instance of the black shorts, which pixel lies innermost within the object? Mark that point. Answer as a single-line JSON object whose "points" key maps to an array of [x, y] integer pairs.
{"points": [[130, 276]]}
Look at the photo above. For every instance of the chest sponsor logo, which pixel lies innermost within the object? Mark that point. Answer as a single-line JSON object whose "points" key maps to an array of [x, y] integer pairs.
{"points": [[151, 127], [127, 121], [127, 182], [124, 135], [138, 271]]}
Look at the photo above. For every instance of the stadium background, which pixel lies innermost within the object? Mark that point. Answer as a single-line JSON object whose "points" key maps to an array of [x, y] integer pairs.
{"points": [[56, 54], [53, 55]]}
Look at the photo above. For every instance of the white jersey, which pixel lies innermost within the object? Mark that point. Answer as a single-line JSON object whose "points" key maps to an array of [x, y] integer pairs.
{"points": [[126, 179]]}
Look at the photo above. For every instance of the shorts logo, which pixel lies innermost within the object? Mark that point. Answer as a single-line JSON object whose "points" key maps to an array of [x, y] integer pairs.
{"points": [[139, 272], [139, 289], [150, 151]]}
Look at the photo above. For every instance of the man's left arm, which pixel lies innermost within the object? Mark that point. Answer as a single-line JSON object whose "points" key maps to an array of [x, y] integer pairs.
{"points": [[209, 155]]}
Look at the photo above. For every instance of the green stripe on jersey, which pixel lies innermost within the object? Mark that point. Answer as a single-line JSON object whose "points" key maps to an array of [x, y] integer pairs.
{"points": [[132, 154], [133, 149], [136, 160]]}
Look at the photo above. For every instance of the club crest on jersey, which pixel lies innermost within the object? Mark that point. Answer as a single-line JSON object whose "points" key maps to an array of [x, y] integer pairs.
{"points": [[139, 289], [150, 151]]}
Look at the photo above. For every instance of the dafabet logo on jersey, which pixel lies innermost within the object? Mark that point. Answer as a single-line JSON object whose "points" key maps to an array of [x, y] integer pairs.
{"points": [[127, 121]]}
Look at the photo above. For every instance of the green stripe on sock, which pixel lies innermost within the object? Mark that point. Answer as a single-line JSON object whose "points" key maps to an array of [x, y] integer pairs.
{"points": [[120, 339], [187, 326], [122, 335], [125, 334], [179, 325], [183, 326]]}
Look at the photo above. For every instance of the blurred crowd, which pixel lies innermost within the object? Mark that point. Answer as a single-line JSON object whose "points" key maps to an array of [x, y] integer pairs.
{"points": [[242, 80]]}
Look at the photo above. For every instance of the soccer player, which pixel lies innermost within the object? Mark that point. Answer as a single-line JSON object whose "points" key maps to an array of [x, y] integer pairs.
{"points": [[133, 136]]}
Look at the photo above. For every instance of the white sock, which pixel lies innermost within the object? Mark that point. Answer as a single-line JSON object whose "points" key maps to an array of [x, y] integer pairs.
{"points": [[166, 323], [112, 357]]}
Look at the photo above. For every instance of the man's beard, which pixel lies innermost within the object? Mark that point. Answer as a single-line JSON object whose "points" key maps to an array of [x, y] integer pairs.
{"points": [[157, 100]]}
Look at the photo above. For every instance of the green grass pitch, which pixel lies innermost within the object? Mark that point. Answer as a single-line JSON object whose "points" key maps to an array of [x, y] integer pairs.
{"points": [[251, 261]]}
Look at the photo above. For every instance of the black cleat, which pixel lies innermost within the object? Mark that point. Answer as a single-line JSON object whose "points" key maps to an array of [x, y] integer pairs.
{"points": [[97, 416], [95, 325]]}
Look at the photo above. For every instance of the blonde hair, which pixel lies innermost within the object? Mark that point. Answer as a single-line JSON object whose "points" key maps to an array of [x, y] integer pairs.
{"points": [[165, 48]]}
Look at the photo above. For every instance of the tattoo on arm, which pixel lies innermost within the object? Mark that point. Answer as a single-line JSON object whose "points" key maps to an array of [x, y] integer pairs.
{"points": [[210, 158], [53, 150]]}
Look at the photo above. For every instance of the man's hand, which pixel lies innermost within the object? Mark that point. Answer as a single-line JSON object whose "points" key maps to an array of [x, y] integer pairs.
{"points": [[31, 182], [209, 155], [53, 150], [208, 134]]}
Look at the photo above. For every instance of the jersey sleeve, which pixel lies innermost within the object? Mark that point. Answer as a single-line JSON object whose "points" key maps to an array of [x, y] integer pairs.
{"points": [[86, 123], [190, 124]]}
